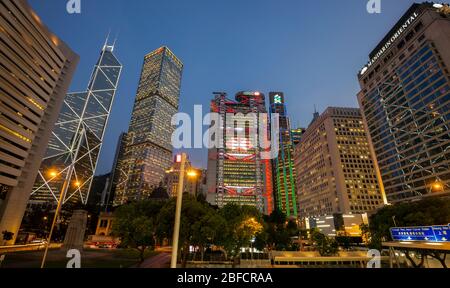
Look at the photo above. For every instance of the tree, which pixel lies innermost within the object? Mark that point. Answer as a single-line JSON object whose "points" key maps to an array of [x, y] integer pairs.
{"points": [[194, 215], [292, 228], [135, 224], [243, 224], [277, 234], [365, 233], [325, 245], [208, 230], [426, 212]]}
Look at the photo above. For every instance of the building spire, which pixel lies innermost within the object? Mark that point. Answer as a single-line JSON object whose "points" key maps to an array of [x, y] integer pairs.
{"points": [[106, 46], [315, 115], [115, 39]]}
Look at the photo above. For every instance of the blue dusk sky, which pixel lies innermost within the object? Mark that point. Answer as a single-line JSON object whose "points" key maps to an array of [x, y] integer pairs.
{"points": [[310, 50]]}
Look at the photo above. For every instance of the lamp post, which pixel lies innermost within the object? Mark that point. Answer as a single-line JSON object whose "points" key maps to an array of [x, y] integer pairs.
{"points": [[62, 195], [176, 229]]}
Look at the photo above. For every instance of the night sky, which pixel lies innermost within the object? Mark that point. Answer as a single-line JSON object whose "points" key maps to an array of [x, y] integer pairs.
{"points": [[311, 50]]}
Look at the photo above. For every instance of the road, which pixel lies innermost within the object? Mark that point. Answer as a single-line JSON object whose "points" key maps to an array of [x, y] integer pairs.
{"points": [[161, 260], [28, 247]]}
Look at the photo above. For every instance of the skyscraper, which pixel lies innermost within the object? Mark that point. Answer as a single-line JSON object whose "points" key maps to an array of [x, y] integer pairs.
{"points": [[335, 171], [148, 153], [77, 137], [404, 98], [283, 165], [116, 171], [36, 70], [236, 171]]}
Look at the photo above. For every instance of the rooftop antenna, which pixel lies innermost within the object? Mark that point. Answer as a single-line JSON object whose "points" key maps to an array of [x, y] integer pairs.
{"points": [[316, 114], [106, 40], [115, 39]]}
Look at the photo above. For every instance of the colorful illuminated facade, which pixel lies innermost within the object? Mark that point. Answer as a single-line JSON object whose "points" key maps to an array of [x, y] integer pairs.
{"points": [[148, 151], [236, 171], [283, 165]]}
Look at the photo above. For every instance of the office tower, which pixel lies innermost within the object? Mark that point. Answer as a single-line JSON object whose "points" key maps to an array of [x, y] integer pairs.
{"points": [[77, 137], [36, 70], [99, 191], [297, 135], [404, 98], [236, 171], [335, 171], [148, 153], [283, 166], [192, 179], [116, 171]]}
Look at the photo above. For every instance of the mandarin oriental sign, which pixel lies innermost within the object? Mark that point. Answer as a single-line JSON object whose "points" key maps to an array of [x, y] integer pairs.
{"points": [[391, 41]]}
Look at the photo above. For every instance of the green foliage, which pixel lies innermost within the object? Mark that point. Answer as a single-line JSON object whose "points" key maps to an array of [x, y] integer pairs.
{"points": [[135, 224], [325, 245], [277, 235], [243, 224], [431, 211], [200, 224]]}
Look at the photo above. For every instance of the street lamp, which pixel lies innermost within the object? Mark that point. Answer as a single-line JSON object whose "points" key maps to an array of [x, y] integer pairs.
{"points": [[176, 231], [192, 174], [437, 186], [62, 195], [53, 173]]}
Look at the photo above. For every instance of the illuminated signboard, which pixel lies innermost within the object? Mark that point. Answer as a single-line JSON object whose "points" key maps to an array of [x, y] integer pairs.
{"points": [[277, 99], [442, 233], [426, 233], [391, 41]]}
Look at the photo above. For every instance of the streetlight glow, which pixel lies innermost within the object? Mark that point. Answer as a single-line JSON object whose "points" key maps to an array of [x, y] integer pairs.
{"points": [[53, 173], [437, 186], [192, 173]]}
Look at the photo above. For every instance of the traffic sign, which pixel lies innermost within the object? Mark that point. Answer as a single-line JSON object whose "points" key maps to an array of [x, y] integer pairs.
{"points": [[438, 233], [425, 233], [442, 233]]}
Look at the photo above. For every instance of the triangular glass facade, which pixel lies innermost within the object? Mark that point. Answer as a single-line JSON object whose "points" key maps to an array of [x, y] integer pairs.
{"points": [[77, 137]]}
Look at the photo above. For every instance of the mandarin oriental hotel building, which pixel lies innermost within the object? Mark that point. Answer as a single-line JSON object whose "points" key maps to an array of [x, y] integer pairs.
{"points": [[405, 102]]}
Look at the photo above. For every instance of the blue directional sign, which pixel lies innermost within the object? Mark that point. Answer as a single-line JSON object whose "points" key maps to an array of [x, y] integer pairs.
{"points": [[425, 233], [442, 233]]}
